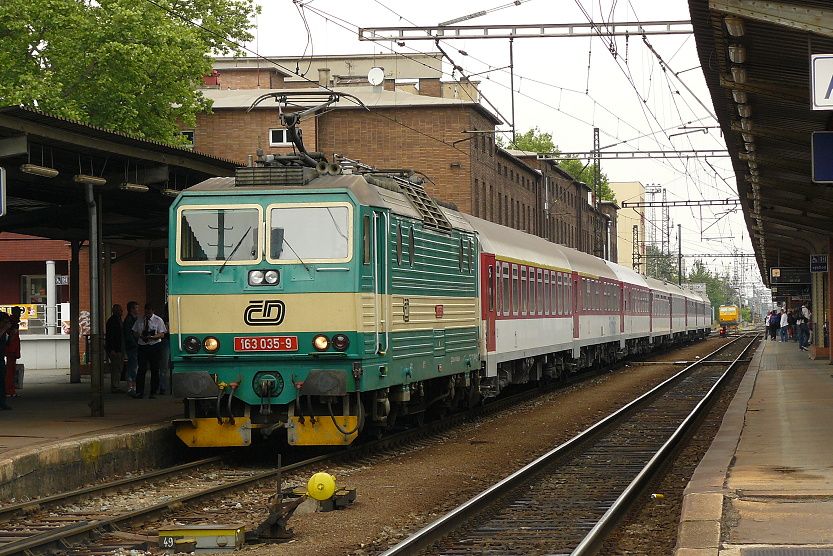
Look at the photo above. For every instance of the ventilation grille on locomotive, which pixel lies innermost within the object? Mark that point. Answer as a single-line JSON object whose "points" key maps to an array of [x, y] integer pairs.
{"points": [[274, 175]]}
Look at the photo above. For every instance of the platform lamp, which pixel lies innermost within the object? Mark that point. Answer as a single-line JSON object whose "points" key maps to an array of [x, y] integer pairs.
{"points": [[89, 180], [168, 192], [134, 187], [35, 170]]}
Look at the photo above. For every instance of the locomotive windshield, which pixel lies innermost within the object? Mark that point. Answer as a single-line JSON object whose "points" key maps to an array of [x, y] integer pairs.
{"points": [[309, 233], [219, 235]]}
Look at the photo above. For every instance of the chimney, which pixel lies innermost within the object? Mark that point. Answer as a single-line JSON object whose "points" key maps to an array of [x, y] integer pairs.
{"points": [[324, 77], [430, 87], [390, 84]]}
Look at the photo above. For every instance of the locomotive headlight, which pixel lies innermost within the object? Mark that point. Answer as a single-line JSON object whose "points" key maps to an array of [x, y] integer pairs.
{"points": [[321, 342], [271, 276], [191, 344], [341, 342], [255, 277], [211, 344]]}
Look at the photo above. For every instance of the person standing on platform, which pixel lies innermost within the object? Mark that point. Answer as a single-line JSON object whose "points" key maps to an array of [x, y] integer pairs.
{"points": [[783, 325], [774, 322], [791, 335], [5, 326], [113, 345], [13, 351], [804, 327], [149, 332], [131, 348]]}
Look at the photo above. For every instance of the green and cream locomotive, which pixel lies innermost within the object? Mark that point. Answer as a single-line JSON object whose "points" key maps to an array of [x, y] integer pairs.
{"points": [[317, 302]]}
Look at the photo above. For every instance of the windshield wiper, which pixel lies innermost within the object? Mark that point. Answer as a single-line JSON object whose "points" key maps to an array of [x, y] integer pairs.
{"points": [[233, 251], [296, 254]]}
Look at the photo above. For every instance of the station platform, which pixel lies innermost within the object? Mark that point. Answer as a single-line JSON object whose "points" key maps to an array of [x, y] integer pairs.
{"points": [[49, 440], [765, 486]]}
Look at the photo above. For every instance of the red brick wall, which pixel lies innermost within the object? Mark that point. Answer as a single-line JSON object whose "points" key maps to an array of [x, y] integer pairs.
{"points": [[18, 247], [236, 134], [250, 79], [407, 138]]}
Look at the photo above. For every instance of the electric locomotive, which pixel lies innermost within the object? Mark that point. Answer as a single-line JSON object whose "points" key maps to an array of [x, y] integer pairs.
{"points": [[319, 303]]}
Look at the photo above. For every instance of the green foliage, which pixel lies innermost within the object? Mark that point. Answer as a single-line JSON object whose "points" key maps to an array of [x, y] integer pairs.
{"points": [[579, 171], [717, 287], [537, 141], [662, 266], [126, 65]]}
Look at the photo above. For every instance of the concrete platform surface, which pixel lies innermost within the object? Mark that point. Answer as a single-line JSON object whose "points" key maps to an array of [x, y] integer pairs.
{"points": [[49, 438], [766, 483]]}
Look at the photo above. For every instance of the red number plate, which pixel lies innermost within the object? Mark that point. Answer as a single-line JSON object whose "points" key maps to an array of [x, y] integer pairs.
{"points": [[266, 343]]}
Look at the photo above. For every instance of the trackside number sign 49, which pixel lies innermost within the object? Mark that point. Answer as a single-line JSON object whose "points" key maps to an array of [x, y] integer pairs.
{"points": [[266, 343]]}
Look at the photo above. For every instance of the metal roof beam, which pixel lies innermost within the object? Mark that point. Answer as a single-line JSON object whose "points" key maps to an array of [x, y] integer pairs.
{"points": [[779, 134], [540, 30], [635, 155], [765, 89], [786, 14]]}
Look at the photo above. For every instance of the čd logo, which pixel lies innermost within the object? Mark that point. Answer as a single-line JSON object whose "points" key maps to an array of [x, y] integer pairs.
{"points": [[264, 312]]}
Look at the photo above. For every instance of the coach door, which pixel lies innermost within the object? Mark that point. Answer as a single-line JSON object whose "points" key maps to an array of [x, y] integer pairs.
{"points": [[577, 293], [489, 276]]}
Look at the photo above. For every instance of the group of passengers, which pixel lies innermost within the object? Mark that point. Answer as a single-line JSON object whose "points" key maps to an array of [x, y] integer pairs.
{"points": [[143, 342], [9, 353], [791, 325]]}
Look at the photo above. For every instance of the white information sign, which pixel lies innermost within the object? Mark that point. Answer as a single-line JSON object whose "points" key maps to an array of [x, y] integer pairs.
{"points": [[821, 74]]}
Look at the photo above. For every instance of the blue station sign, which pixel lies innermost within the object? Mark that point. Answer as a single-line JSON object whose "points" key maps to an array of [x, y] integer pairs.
{"points": [[822, 156]]}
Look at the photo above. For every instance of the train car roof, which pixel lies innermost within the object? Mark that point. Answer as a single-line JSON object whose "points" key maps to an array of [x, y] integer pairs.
{"points": [[626, 274], [588, 265], [509, 243]]}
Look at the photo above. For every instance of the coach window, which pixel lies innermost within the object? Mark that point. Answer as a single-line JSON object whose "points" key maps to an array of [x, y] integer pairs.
{"points": [[524, 292], [491, 287], [554, 296], [540, 292], [399, 244], [505, 289], [515, 290], [560, 296], [547, 292]]}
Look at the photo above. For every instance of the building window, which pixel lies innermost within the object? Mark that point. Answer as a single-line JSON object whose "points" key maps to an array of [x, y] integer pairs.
{"points": [[188, 134], [279, 138]]}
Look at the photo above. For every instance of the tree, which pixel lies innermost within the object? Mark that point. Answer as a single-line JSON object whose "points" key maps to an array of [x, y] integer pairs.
{"points": [[126, 65], [718, 287], [537, 141], [584, 173], [662, 266]]}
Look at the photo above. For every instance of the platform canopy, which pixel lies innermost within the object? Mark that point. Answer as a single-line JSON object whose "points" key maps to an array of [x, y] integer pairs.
{"points": [[755, 56], [49, 160]]}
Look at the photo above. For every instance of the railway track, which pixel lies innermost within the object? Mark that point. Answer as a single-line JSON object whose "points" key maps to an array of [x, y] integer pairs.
{"points": [[90, 520], [97, 513], [568, 500]]}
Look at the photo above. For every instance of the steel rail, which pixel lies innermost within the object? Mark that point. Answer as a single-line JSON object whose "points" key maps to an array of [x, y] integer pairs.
{"points": [[464, 512], [594, 539], [7, 511]]}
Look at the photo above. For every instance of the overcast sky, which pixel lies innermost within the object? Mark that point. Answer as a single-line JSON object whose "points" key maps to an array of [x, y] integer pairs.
{"points": [[555, 90]]}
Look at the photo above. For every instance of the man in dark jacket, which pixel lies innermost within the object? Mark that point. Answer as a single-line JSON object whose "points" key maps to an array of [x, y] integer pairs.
{"points": [[113, 346], [131, 348]]}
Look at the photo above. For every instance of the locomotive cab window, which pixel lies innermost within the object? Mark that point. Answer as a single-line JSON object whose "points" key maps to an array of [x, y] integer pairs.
{"points": [[366, 239], [219, 235], [291, 243]]}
